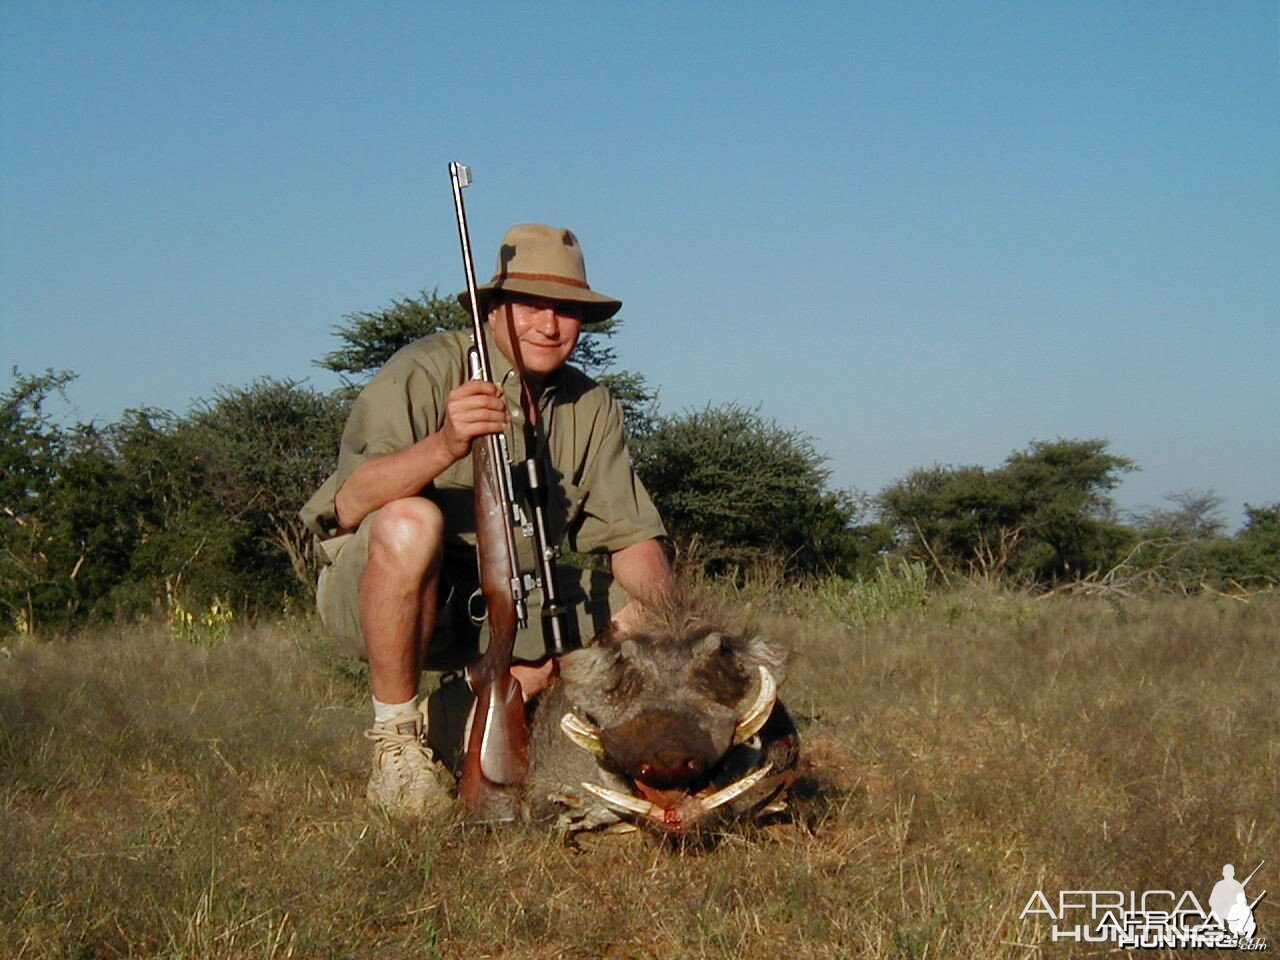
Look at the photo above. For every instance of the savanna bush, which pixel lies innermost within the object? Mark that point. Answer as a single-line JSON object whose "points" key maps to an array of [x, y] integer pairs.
{"points": [[747, 490], [98, 522], [1044, 515]]}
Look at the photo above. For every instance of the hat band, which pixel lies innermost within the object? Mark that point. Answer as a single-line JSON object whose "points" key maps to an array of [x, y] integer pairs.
{"points": [[548, 277]]}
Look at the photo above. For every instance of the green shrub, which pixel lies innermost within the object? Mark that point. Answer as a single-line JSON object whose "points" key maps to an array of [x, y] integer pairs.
{"points": [[747, 491], [1045, 515]]}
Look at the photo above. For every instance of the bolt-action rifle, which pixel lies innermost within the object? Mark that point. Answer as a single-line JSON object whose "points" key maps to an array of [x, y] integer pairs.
{"points": [[498, 742]]}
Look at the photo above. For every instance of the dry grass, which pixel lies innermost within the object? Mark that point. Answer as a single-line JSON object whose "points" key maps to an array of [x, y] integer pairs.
{"points": [[162, 799]]}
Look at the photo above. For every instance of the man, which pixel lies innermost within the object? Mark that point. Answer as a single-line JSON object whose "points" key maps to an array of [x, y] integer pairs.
{"points": [[396, 520]]}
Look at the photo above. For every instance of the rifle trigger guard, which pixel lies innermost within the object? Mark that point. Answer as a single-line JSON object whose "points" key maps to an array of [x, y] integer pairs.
{"points": [[475, 603]]}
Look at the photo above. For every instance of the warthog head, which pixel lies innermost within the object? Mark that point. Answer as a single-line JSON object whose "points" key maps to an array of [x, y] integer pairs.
{"points": [[680, 722]]}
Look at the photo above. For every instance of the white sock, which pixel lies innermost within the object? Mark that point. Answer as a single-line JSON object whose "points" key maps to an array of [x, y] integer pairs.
{"points": [[383, 712]]}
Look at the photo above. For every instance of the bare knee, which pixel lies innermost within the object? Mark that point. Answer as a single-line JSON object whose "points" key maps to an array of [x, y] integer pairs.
{"points": [[408, 535]]}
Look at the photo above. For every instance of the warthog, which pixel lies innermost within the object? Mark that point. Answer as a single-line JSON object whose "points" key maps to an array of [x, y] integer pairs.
{"points": [[676, 727]]}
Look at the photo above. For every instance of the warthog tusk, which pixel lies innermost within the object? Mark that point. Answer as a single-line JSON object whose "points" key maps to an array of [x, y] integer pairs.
{"points": [[620, 801], [700, 806], [755, 716], [734, 790], [582, 733]]}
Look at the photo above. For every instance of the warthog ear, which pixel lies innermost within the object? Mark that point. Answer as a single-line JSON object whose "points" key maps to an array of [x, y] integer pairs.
{"points": [[759, 651], [751, 652], [711, 643]]}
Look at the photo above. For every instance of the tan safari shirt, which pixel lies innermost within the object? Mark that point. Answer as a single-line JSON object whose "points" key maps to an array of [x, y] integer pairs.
{"points": [[596, 502]]}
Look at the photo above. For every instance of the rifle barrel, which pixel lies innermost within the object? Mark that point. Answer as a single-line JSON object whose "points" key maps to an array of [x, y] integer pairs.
{"points": [[559, 623], [460, 176], [498, 460]]}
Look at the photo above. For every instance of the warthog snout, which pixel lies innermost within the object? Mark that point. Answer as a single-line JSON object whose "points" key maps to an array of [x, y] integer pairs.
{"points": [[665, 748]]}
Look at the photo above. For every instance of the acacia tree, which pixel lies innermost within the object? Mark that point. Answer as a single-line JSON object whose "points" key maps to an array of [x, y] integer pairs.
{"points": [[1184, 547], [1255, 558], [187, 545], [1065, 488], [101, 521], [67, 527], [957, 516], [1045, 514], [369, 338], [264, 449], [32, 447], [1191, 514]]}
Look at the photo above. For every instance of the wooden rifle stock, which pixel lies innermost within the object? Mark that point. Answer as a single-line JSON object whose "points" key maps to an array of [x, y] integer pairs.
{"points": [[498, 741]]}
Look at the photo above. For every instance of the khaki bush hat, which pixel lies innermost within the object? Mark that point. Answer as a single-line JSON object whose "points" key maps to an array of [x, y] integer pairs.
{"points": [[541, 261]]}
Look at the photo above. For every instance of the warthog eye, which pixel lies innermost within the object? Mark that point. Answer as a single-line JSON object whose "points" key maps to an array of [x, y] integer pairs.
{"points": [[721, 677], [628, 684]]}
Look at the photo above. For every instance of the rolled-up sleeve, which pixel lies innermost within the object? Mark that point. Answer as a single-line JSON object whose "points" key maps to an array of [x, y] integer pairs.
{"points": [[398, 407]]}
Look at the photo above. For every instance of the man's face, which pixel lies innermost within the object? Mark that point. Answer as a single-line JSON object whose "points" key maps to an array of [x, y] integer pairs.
{"points": [[534, 334]]}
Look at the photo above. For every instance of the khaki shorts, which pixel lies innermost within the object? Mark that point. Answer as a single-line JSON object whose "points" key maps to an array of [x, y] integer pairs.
{"points": [[457, 639]]}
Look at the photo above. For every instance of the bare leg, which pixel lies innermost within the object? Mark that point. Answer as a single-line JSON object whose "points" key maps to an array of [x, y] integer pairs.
{"points": [[398, 594]]}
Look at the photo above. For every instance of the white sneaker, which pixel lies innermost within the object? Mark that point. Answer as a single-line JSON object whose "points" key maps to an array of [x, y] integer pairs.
{"points": [[407, 780]]}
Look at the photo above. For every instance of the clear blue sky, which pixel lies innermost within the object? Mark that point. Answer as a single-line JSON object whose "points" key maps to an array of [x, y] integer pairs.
{"points": [[920, 232]]}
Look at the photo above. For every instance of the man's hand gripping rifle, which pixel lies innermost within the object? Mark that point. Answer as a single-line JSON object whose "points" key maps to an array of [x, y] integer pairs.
{"points": [[498, 743]]}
